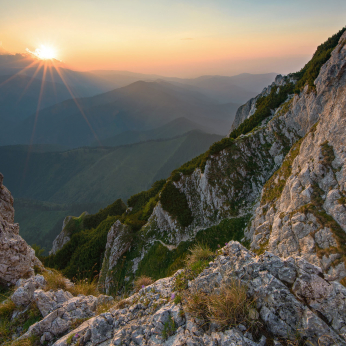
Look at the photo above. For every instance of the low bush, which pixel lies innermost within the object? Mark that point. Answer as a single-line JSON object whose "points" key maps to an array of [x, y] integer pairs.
{"points": [[169, 328], [175, 203]]}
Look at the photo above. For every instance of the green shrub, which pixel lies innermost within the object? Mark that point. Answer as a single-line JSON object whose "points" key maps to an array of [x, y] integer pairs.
{"points": [[139, 200], [175, 203], [115, 209], [81, 258], [169, 328]]}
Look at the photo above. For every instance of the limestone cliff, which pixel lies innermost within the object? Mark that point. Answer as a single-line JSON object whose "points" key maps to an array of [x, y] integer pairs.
{"points": [[17, 258], [302, 209]]}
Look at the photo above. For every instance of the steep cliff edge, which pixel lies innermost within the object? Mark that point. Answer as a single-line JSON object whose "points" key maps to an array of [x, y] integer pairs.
{"points": [[17, 258]]}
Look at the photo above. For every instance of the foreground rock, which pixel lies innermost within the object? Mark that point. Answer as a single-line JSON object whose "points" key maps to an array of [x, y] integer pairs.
{"points": [[17, 258], [292, 298], [60, 310]]}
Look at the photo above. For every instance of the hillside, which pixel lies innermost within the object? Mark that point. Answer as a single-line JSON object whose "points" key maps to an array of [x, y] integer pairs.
{"points": [[141, 106], [213, 197], [61, 178], [176, 127]]}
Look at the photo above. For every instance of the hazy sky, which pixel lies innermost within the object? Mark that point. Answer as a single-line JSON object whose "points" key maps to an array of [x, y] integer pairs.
{"points": [[172, 37]]}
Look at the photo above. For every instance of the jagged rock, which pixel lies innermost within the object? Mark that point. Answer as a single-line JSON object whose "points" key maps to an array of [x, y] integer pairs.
{"points": [[308, 217], [24, 294], [17, 258], [117, 245], [249, 108], [291, 294], [60, 309], [64, 236]]}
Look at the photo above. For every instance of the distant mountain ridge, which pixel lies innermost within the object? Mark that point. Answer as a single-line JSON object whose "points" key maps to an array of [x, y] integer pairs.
{"points": [[141, 106]]}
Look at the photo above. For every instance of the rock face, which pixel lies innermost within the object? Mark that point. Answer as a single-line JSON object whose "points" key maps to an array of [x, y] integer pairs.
{"points": [[303, 206], [291, 295], [17, 258], [300, 208], [62, 238], [117, 245]]}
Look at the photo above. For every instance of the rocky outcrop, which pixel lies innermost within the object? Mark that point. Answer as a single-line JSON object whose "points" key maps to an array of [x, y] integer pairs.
{"points": [[303, 206], [249, 108], [64, 236], [118, 242], [290, 295], [17, 258]]}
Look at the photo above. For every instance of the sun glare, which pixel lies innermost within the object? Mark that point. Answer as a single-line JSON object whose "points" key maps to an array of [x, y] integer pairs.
{"points": [[44, 52]]}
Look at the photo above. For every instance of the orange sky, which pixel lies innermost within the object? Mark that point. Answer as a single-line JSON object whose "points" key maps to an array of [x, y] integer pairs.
{"points": [[180, 38]]}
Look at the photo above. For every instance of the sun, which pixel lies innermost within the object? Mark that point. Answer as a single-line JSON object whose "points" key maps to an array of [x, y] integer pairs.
{"points": [[44, 52]]}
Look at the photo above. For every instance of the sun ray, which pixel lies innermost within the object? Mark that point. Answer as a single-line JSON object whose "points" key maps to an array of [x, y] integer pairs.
{"points": [[31, 80], [77, 104], [35, 121], [19, 72], [53, 81]]}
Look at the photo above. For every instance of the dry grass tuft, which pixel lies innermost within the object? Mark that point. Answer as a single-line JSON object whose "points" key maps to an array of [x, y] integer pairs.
{"points": [[121, 304], [230, 306], [226, 306], [55, 281], [196, 304], [85, 287], [142, 282]]}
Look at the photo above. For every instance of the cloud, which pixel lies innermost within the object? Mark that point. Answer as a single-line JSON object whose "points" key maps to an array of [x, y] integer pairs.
{"points": [[187, 39]]}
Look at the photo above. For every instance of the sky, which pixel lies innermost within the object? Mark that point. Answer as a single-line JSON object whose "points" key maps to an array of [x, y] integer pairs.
{"points": [[173, 37]]}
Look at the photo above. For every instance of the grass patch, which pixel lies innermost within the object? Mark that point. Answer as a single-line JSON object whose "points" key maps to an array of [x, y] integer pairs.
{"points": [[9, 327]]}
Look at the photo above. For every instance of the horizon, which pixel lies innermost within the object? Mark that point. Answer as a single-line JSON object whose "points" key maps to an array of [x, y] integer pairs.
{"points": [[186, 39]]}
